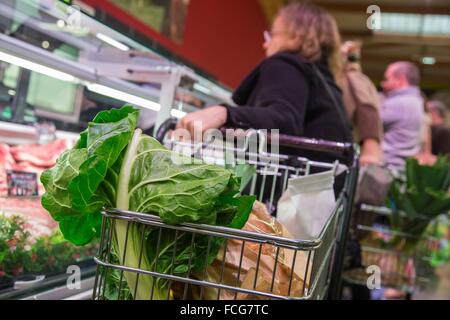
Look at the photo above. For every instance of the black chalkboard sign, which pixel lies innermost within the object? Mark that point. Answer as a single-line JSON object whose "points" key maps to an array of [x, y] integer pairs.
{"points": [[22, 183]]}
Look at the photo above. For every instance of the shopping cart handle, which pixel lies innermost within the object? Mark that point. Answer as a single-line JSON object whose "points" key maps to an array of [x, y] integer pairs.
{"points": [[165, 127], [303, 143], [310, 143], [283, 140]]}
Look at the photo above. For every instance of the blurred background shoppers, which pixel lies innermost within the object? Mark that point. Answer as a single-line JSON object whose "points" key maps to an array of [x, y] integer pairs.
{"points": [[425, 157], [440, 131], [284, 91], [362, 104], [402, 113]]}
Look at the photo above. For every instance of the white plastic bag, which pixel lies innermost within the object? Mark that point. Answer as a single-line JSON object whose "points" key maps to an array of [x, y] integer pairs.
{"points": [[306, 205]]}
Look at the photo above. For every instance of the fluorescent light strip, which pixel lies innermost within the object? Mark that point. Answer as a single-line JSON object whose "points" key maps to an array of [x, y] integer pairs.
{"points": [[112, 42], [201, 88], [123, 96], [37, 67], [177, 113], [407, 23], [103, 90], [428, 60]]}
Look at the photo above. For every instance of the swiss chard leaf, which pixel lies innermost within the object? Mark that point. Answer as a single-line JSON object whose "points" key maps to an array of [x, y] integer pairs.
{"points": [[244, 208], [81, 230], [115, 165], [105, 142], [244, 172], [177, 191], [73, 195]]}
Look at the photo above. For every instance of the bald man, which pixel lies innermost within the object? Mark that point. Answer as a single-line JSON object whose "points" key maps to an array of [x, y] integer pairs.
{"points": [[402, 113]]}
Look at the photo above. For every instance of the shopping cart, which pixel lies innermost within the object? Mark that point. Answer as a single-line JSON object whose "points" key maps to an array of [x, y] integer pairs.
{"points": [[403, 259], [319, 260]]}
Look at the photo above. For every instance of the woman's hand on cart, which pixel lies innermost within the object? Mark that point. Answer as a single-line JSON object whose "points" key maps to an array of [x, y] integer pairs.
{"points": [[371, 153], [210, 118]]}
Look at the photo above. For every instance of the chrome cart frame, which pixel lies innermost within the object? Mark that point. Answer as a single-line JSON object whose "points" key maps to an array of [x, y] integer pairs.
{"points": [[319, 259]]}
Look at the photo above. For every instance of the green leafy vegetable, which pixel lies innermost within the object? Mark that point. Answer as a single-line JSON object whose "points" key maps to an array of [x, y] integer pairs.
{"points": [[244, 172], [424, 196], [114, 164]]}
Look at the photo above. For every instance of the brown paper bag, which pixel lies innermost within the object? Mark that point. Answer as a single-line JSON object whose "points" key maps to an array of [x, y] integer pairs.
{"points": [[259, 221]]}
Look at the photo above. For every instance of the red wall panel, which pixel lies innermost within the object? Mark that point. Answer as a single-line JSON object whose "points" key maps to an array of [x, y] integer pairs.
{"points": [[222, 37]]}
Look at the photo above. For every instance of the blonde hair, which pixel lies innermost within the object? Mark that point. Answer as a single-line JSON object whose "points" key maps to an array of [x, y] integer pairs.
{"points": [[317, 31]]}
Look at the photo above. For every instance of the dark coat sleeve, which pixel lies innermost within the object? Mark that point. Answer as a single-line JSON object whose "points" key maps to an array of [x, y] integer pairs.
{"points": [[440, 140], [280, 100]]}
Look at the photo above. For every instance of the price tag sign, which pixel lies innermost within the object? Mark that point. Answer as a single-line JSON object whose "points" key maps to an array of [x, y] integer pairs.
{"points": [[22, 183]]}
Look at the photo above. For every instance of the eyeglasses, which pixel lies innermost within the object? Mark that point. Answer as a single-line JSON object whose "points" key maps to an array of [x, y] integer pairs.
{"points": [[267, 36]]}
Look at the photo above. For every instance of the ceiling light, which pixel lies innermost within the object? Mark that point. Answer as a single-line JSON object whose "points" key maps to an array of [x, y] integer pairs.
{"points": [[60, 23], [202, 89], [414, 24], [428, 60], [37, 67], [112, 42], [123, 96]]}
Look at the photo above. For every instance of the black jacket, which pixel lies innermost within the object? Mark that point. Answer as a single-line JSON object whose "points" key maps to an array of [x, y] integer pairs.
{"points": [[284, 93], [440, 139]]}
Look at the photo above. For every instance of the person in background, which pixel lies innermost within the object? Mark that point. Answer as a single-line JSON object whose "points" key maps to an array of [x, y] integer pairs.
{"points": [[402, 113], [425, 157], [440, 131], [284, 91], [362, 104]]}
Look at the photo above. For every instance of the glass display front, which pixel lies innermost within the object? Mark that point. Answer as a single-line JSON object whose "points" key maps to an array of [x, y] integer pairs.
{"points": [[53, 60]]}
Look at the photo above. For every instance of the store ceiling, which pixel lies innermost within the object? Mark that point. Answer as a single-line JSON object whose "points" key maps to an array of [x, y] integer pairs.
{"points": [[381, 49]]}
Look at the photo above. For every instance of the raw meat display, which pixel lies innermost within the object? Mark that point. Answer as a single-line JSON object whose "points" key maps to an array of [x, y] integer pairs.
{"points": [[30, 241], [40, 155], [28, 158], [6, 163], [39, 222], [35, 159]]}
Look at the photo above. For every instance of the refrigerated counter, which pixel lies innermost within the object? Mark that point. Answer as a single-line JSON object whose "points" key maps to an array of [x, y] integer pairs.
{"points": [[53, 79]]}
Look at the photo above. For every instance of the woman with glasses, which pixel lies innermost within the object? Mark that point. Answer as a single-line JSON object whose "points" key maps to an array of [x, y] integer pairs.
{"points": [[294, 88]]}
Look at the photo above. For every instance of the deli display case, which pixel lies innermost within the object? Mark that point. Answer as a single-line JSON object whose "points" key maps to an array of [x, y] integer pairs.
{"points": [[58, 68]]}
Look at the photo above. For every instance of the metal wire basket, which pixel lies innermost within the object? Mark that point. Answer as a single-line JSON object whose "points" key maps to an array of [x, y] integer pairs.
{"points": [[407, 270], [308, 268]]}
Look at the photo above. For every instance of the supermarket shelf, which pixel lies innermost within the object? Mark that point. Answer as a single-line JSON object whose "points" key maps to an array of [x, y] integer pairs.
{"points": [[78, 70]]}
